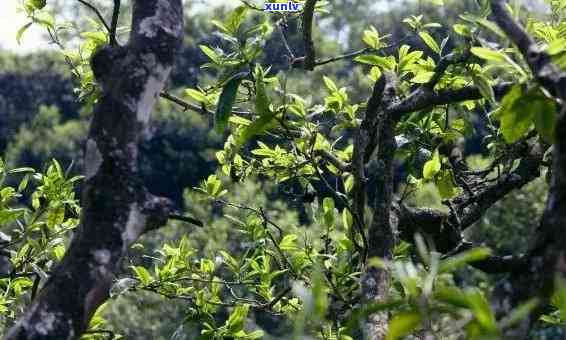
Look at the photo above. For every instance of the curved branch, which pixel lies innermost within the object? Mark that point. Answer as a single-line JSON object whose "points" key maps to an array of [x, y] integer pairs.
{"points": [[445, 229], [98, 14], [424, 98]]}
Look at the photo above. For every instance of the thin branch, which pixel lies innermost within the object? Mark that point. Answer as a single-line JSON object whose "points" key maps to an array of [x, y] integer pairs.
{"points": [[386, 50], [187, 219], [299, 61], [194, 107], [114, 24], [445, 62], [285, 42], [276, 299], [350, 55], [339, 164], [98, 14]]}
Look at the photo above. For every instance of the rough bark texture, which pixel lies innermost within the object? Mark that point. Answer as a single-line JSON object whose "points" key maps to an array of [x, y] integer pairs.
{"points": [[382, 230], [362, 142], [117, 208], [546, 260]]}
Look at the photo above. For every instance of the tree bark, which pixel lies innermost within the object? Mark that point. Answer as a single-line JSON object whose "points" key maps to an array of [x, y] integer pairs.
{"points": [[546, 261], [382, 230], [117, 208]]}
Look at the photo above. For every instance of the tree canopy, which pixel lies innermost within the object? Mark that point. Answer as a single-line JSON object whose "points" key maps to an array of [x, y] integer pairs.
{"points": [[341, 172]]}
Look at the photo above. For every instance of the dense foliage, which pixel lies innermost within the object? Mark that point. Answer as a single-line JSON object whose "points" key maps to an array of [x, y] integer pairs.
{"points": [[289, 190]]}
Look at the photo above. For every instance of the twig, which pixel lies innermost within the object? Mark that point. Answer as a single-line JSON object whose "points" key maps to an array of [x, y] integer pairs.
{"points": [[445, 62], [343, 56], [114, 24], [187, 219], [98, 14], [339, 164], [285, 42], [196, 108]]}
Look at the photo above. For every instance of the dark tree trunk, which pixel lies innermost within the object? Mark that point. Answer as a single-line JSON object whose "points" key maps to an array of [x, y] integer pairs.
{"points": [[117, 208]]}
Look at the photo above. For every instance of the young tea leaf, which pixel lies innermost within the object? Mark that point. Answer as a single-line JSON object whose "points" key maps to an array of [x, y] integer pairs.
{"points": [[266, 115], [226, 102]]}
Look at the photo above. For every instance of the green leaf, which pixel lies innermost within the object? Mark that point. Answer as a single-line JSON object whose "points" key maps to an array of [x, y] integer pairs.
{"points": [[372, 38], [457, 261], [226, 102], [347, 219], [487, 54], [519, 111], [289, 242], [328, 209], [207, 266], [142, 274], [330, 85], [483, 84], [229, 260], [266, 115], [490, 25], [445, 185], [37, 4], [197, 95], [462, 30], [515, 121], [451, 295], [557, 46], [8, 216], [210, 53], [403, 324], [21, 32], [382, 62], [235, 19], [422, 77], [21, 170], [56, 216], [429, 41], [520, 313], [432, 167], [220, 25], [237, 318], [545, 119], [44, 19], [482, 311], [257, 334]]}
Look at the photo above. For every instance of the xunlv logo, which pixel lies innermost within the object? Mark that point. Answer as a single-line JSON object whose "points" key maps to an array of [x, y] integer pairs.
{"points": [[278, 7]]}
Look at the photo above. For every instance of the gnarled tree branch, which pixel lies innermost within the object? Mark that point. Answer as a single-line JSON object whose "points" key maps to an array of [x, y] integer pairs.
{"points": [[445, 229]]}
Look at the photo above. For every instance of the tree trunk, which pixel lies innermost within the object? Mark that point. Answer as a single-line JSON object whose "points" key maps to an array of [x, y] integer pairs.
{"points": [[117, 208], [382, 231]]}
